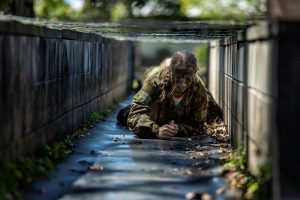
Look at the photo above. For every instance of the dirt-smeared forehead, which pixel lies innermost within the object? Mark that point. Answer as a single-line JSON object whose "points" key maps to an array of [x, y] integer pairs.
{"points": [[183, 71]]}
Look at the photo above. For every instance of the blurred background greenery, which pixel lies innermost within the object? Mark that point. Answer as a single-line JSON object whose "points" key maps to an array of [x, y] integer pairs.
{"points": [[149, 55], [117, 10]]}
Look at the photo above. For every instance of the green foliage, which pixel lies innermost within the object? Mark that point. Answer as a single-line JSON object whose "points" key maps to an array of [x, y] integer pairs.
{"points": [[129, 9], [201, 53], [253, 186], [119, 11], [239, 10], [15, 176], [57, 9], [260, 187], [153, 9], [94, 117], [239, 160]]}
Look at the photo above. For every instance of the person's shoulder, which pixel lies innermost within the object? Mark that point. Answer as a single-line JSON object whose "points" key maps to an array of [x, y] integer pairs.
{"points": [[198, 83], [153, 79], [149, 72], [151, 83]]}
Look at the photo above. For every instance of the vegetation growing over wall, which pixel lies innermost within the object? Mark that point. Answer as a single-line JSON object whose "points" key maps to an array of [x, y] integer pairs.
{"points": [[251, 186]]}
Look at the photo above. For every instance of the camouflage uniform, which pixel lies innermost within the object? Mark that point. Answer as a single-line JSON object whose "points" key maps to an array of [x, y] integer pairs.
{"points": [[147, 113]]}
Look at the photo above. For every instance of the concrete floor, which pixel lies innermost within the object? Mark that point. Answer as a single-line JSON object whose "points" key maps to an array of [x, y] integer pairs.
{"points": [[132, 168]]}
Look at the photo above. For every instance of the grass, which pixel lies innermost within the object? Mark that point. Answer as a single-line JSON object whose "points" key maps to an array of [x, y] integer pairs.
{"points": [[15, 176]]}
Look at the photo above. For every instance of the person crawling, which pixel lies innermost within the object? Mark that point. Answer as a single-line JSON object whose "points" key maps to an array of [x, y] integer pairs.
{"points": [[173, 102]]}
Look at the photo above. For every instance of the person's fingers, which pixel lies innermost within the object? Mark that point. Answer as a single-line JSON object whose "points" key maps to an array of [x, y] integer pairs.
{"points": [[168, 131], [172, 123], [168, 134], [164, 133], [174, 128], [172, 131], [170, 127]]}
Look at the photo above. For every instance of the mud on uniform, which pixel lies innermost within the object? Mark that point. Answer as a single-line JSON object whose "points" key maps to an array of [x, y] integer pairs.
{"points": [[147, 114]]}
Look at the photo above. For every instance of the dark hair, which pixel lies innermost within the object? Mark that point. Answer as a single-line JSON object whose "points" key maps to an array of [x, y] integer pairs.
{"points": [[185, 58]]}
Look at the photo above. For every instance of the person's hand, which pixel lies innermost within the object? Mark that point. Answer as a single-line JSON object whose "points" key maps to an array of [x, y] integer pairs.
{"points": [[167, 130]]}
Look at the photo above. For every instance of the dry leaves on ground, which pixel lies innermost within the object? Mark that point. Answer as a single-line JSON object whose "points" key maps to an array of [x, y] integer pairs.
{"points": [[218, 131], [96, 168]]}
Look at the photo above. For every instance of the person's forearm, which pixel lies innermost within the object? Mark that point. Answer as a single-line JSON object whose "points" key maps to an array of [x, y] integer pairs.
{"points": [[143, 126]]}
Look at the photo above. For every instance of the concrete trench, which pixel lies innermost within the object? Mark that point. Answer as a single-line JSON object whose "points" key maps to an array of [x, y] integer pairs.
{"points": [[130, 168], [134, 168], [252, 75]]}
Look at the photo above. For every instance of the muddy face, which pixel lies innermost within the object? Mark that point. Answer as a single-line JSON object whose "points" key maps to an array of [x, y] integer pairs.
{"points": [[182, 78]]}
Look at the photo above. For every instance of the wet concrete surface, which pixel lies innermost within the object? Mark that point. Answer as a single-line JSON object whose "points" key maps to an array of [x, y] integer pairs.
{"points": [[127, 167]]}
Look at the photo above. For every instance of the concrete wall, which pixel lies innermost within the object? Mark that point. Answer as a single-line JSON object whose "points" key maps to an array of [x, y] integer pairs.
{"points": [[254, 76], [242, 79], [280, 8], [51, 80]]}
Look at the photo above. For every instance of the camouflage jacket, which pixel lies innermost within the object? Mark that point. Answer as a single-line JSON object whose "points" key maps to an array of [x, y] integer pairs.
{"points": [[147, 114]]}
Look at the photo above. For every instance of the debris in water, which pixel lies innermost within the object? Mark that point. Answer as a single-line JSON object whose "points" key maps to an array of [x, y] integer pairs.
{"points": [[218, 131], [96, 168], [220, 190], [198, 196]]}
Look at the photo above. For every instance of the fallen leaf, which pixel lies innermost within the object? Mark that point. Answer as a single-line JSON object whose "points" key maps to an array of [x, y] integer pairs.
{"points": [[220, 190], [187, 172], [198, 196], [192, 195], [221, 151], [96, 168], [206, 196]]}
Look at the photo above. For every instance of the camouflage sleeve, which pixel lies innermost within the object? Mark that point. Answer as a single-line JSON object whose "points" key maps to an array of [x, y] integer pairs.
{"points": [[194, 123], [138, 119]]}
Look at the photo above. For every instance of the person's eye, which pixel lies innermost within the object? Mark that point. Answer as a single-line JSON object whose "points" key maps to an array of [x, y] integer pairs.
{"points": [[188, 80]]}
